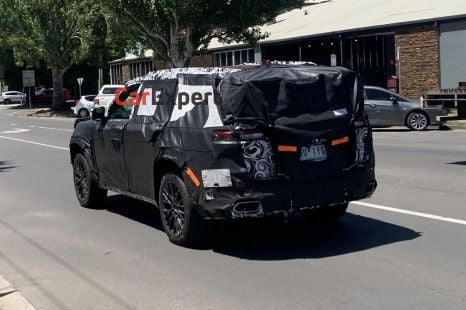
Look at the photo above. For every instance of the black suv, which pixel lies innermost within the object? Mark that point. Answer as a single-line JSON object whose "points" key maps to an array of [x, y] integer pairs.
{"points": [[228, 143]]}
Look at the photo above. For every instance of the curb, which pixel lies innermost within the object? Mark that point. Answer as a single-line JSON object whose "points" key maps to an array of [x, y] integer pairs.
{"points": [[11, 299]]}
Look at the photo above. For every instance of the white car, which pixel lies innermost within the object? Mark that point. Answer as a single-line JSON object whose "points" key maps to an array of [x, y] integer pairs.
{"points": [[84, 106], [9, 97], [106, 95]]}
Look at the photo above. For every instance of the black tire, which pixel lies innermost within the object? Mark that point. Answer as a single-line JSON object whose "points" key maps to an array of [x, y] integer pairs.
{"points": [[181, 222], [334, 212], [417, 120], [326, 214], [87, 190], [7, 101], [83, 113]]}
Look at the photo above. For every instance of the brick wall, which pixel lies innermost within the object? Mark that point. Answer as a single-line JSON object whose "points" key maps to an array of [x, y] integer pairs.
{"points": [[201, 61], [418, 67]]}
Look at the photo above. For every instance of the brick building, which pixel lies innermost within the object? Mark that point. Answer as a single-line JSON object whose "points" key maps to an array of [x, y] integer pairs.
{"points": [[421, 43]]}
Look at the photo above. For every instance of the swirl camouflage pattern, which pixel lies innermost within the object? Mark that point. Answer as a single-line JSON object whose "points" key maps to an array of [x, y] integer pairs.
{"points": [[362, 155], [258, 157]]}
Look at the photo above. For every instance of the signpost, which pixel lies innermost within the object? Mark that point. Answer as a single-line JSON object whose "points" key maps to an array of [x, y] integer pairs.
{"points": [[29, 80], [80, 82]]}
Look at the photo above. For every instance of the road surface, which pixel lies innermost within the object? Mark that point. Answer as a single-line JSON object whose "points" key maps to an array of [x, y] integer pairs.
{"points": [[405, 248]]}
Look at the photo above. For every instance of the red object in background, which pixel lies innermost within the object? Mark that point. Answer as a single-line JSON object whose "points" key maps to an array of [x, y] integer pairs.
{"points": [[392, 83], [46, 96]]}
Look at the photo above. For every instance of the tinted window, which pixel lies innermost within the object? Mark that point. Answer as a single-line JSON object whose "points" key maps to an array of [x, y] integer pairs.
{"points": [[89, 98], [109, 90], [375, 94], [117, 111]]}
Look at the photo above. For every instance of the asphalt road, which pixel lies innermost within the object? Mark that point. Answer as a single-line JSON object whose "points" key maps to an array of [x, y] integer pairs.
{"points": [[61, 256]]}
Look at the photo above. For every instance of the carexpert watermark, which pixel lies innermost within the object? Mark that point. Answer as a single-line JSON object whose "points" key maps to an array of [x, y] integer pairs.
{"points": [[188, 95]]}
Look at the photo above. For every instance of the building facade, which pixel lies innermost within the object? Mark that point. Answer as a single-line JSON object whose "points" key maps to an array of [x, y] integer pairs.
{"points": [[413, 47]]}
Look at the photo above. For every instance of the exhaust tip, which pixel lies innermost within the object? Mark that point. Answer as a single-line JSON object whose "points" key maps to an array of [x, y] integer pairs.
{"points": [[247, 209]]}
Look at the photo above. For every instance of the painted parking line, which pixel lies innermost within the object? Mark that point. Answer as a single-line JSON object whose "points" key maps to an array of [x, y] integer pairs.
{"points": [[414, 213], [59, 129], [16, 130], [36, 143]]}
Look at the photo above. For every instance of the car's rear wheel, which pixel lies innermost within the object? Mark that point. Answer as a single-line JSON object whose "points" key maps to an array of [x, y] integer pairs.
{"points": [[87, 190], [417, 121], [326, 214], [83, 113], [181, 222]]}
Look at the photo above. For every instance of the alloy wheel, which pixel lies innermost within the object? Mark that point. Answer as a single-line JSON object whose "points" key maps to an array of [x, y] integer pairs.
{"points": [[173, 208], [81, 178], [418, 121]]}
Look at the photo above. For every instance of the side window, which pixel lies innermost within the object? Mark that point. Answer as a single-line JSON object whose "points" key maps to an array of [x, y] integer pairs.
{"points": [[117, 111], [375, 94]]}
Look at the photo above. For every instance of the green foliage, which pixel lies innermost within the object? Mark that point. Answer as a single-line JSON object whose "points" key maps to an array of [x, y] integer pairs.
{"points": [[56, 31], [174, 28]]}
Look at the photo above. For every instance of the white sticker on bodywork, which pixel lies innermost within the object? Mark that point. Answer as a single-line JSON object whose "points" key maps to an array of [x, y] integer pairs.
{"points": [[216, 178], [340, 112]]}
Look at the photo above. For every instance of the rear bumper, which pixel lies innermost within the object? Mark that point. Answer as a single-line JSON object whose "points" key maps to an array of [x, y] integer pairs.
{"points": [[267, 199], [435, 116]]}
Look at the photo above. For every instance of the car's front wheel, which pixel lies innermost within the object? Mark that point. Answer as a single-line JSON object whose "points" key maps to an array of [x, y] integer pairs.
{"points": [[181, 222], [417, 121], [7, 101], [87, 190]]}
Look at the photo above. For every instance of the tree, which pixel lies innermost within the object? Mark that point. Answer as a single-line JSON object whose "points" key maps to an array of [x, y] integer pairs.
{"points": [[56, 31], [175, 28]]}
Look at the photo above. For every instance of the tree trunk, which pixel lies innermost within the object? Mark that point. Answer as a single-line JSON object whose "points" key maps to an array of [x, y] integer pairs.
{"points": [[58, 102]]}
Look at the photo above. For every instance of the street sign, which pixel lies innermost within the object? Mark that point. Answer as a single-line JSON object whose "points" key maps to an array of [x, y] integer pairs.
{"points": [[29, 78], [80, 82]]}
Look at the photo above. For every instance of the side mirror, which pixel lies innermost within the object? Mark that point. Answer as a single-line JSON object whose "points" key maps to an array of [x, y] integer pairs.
{"points": [[98, 114], [393, 99]]}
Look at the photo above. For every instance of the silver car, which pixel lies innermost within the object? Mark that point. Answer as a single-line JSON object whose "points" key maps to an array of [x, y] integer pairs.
{"points": [[386, 108]]}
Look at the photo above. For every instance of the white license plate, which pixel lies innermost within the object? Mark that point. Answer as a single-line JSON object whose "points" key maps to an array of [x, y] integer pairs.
{"points": [[314, 153]]}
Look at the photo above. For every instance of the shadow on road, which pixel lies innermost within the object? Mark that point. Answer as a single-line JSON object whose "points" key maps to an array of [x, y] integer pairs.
{"points": [[6, 165], [271, 239], [460, 163]]}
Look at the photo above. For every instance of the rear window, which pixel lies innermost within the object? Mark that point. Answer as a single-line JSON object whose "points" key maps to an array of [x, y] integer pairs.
{"points": [[109, 91], [89, 98]]}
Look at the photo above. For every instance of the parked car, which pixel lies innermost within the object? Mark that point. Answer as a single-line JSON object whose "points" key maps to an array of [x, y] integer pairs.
{"points": [[9, 97], [106, 95], [84, 106], [46, 95], [226, 144], [386, 108]]}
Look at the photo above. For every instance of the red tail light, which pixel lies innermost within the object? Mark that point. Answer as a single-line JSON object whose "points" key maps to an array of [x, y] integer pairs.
{"points": [[242, 134], [96, 101], [222, 135]]}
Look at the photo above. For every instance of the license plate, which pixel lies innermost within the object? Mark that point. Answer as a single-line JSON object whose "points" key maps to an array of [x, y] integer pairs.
{"points": [[314, 153]]}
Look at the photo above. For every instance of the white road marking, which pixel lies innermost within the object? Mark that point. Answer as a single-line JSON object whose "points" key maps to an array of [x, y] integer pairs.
{"points": [[32, 126], [16, 130], [13, 124], [420, 214], [36, 143], [55, 129]]}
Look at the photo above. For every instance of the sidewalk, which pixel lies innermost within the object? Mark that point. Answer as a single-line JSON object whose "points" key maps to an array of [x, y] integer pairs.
{"points": [[11, 299]]}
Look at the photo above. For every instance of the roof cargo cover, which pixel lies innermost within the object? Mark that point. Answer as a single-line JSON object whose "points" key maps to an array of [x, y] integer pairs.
{"points": [[276, 92]]}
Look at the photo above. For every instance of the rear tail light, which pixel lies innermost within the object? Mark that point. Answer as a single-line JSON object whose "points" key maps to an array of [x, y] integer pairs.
{"points": [[223, 135], [242, 134], [96, 102], [249, 134]]}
